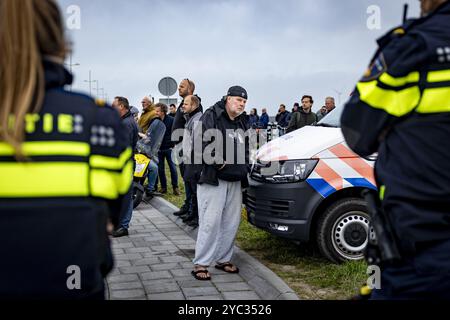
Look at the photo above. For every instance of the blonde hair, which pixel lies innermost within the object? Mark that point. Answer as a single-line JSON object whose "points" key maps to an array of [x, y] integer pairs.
{"points": [[29, 31]]}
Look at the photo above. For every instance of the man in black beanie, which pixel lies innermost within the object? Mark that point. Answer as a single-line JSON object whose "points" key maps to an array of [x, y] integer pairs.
{"points": [[221, 181]]}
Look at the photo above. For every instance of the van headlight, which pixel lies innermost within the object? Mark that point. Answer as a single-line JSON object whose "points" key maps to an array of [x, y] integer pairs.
{"points": [[292, 171]]}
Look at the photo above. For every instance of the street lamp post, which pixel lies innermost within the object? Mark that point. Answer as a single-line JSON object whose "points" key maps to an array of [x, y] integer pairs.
{"points": [[71, 65], [90, 81], [339, 93], [96, 81]]}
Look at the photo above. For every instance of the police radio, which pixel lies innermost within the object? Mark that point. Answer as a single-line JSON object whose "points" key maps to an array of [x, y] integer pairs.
{"points": [[405, 12], [383, 249]]}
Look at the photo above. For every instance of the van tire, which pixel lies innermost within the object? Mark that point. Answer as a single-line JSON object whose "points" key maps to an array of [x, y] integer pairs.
{"points": [[349, 212]]}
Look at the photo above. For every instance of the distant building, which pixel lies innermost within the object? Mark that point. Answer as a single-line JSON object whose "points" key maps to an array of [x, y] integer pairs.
{"points": [[168, 102]]}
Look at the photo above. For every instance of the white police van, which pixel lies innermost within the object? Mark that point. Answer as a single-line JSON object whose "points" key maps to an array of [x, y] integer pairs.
{"points": [[315, 192]]}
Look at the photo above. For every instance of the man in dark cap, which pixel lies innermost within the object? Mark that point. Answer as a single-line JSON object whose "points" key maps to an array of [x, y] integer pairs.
{"points": [[223, 174]]}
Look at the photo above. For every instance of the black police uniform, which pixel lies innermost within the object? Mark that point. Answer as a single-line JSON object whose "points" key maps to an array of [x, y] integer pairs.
{"points": [[401, 109], [54, 206]]}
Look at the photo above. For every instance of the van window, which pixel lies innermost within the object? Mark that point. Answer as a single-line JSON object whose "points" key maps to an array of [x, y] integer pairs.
{"points": [[333, 119]]}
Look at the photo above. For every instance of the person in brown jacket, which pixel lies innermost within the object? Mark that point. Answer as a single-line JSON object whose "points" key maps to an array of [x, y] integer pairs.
{"points": [[148, 114]]}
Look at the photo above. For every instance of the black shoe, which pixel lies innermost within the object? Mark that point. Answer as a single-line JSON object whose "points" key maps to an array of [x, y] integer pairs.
{"points": [[121, 232], [188, 218], [151, 195], [193, 223], [180, 212], [148, 196], [163, 191]]}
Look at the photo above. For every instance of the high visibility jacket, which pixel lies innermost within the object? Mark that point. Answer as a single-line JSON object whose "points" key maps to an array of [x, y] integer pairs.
{"points": [[54, 206], [401, 109]]}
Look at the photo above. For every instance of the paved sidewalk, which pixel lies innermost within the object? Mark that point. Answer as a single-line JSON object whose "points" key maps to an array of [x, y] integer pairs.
{"points": [[155, 263]]}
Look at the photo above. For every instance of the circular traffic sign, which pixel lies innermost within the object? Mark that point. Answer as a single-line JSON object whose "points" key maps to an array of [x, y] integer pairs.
{"points": [[167, 86]]}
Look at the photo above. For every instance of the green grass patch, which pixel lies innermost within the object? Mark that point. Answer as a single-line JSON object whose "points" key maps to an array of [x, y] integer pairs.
{"points": [[301, 266]]}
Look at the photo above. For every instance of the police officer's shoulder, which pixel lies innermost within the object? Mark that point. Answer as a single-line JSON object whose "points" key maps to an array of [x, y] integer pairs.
{"points": [[395, 33], [98, 109], [106, 113], [403, 50]]}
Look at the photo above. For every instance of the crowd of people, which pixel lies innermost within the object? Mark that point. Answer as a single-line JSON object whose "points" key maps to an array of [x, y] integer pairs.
{"points": [[157, 123], [296, 119], [66, 160], [55, 136], [213, 193], [213, 196]]}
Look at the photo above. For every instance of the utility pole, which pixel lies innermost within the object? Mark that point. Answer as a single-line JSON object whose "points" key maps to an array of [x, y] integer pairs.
{"points": [[71, 65], [102, 95], [90, 81], [339, 95], [96, 81]]}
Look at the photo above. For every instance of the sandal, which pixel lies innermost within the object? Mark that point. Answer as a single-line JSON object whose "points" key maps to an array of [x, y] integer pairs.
{"points": [[196, 273], [228, 265]]}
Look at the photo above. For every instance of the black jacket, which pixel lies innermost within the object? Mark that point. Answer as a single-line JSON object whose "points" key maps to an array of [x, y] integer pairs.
{"points": [[301, 119], [236, 168], [283, 119], [167, 142], [132, 129], [401, 110], [54, 207]]}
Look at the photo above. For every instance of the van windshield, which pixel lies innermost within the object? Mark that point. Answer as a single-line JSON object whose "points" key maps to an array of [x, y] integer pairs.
{"points": [[333, 119]]}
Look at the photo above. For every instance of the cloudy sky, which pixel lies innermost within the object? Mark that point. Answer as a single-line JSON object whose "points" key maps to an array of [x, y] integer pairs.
{"points": [[277, 50]]}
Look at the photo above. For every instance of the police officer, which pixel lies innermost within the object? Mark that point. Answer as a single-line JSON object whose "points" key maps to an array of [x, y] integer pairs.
{"points": [[64, 165], [401, 109]]}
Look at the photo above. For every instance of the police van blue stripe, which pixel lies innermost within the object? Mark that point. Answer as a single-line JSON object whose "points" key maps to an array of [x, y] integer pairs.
{"points": [[361, 182], [321, 186]]}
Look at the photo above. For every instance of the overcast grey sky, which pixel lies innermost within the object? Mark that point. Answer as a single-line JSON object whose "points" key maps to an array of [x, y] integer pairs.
{"points": [[277, 50]]}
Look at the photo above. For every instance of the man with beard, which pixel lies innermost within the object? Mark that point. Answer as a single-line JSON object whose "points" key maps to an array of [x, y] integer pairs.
{"points": [[304, 117], [222, 178], [148, 114]]}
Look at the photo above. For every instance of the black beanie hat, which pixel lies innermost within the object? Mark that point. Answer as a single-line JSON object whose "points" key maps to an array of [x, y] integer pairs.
{"points": [[237, 91]]}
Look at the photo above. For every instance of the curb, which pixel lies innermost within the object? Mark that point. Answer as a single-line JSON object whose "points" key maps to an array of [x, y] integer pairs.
{"points": [[260, 278]]}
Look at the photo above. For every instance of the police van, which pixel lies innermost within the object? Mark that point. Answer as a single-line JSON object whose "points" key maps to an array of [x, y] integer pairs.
{"points": [[306, 186]]}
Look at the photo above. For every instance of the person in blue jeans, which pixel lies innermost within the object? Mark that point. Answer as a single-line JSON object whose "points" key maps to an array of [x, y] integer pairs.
{"points": [[153, 139], [165, 154], [152, 177], [122, 106]]}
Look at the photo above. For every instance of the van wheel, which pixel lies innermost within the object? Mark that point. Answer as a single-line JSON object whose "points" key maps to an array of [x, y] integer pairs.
{"points": [[343, 229]]}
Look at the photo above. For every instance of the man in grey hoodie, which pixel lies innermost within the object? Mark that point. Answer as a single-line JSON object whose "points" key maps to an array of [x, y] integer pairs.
{"points": [[192, 114]]}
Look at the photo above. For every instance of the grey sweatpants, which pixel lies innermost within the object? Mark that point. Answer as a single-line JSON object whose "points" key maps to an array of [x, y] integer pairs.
{"points": [[219, 210]]}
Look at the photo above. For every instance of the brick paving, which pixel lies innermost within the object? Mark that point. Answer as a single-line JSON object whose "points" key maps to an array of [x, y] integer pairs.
{"points": [[155, 262]]}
